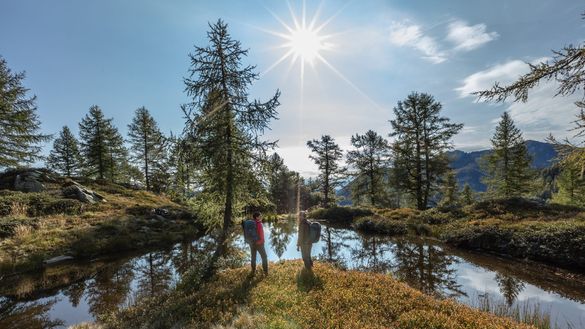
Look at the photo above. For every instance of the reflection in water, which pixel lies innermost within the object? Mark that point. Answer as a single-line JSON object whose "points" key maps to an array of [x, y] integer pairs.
{"points": [[110, 288], [510, 287], [83, 292], [27, 315], [371, 254], [426, 267], [334, 241], [154, 274], [280, 236]]}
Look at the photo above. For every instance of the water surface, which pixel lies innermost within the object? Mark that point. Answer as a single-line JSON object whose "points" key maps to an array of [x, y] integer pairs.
{"points": [[72, 293]]}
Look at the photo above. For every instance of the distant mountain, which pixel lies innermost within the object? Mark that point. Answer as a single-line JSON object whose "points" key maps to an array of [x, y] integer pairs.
{"points": [[466, 164]]}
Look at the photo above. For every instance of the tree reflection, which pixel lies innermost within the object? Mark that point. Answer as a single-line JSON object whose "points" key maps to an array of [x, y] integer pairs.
{"points": [[19, 315], [110, 288], [74, 292], [369, 254], [510, 287], [154, 274], [335, 240], [280, 235], [426, 268]]}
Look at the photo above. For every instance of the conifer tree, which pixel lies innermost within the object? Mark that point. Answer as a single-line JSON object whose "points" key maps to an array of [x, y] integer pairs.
{"points": [[570, 186], [65, 157], [369, 163], [507, 167], [19, 121], [282, 185], [223, 128], [422, 138], [467, 196], [102, 146], [147, 146], [450, 191], [326, 155]]}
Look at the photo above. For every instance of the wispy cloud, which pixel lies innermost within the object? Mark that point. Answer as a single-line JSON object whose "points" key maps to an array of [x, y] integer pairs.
{"points": [[541, 115], [466, 37], [502, 73], [461, 37], [407, 34]]}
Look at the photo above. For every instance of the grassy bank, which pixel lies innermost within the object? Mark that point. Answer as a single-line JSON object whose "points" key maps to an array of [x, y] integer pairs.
{"points": [[291, 298], [37, 226], [516, 227]]}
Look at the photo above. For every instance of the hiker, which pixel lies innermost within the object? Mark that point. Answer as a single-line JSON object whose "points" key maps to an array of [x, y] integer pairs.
{"points": [[256, 241], [304, 241]]}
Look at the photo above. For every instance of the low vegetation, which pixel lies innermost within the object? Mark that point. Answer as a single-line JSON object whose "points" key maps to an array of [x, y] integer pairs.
{"points": [[292, 298], [514, 227], [37, 226]]}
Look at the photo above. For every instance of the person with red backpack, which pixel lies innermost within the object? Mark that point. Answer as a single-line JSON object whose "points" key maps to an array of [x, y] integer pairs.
{"points": [[254, 236]]}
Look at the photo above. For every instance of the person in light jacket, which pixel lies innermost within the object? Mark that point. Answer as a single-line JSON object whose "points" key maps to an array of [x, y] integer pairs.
{"points": [[304, 241]]}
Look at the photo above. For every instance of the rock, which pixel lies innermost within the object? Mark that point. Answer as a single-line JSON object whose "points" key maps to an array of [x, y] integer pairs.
{"points": [[81, 193], [26, 179], [57, 259]]}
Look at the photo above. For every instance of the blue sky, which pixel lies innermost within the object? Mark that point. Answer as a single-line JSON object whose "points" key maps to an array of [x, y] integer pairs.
{"points": [[125, 54]]}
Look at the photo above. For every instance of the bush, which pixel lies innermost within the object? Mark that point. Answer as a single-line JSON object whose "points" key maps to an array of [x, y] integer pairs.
{"points": [[557, 242], [340, 214], [398, 213], [520, 208], [378, 224], [37, 204]]}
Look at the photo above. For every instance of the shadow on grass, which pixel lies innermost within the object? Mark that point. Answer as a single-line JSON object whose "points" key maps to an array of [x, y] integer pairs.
{"points": [[307, 280]]}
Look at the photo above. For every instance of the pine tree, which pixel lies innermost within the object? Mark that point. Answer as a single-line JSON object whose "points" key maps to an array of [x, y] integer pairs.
{"points": [[282, 185], [19, 121], [450, 191], [422, 138], [223, 127], [102, 146], [147, 145], [369, 162], [65, 157], [467, 196], [570, 186], [327, 155], [507, 167]]}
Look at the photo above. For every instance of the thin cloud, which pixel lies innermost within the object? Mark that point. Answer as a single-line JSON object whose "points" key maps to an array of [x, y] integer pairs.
{"points": [[502, 73], [469, 37], [411, 35]]}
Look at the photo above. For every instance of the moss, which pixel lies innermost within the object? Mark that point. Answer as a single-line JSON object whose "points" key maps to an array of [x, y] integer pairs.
{"points": [[291, 298]]}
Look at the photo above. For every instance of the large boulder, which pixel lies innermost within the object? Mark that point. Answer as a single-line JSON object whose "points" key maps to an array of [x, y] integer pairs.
{"points": [[79, 192], [26, 179]]}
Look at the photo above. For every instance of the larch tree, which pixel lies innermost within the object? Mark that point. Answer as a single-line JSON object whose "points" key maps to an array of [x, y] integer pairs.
{"points": [[65, 157], [327, 156], [507, 167], [223, 127], [567, 70], [450, 190], [467, 195], [282, 185], [102, 146], [147, 145], [368, 163], [421, 139], [19, 122]]}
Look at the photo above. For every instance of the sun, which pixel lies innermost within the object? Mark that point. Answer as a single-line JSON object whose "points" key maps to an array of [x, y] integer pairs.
{"points": [[305, 44]]}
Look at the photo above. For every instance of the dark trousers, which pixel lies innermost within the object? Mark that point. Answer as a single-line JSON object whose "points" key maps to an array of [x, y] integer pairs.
{"points": [[306, 254], [262, 251]]}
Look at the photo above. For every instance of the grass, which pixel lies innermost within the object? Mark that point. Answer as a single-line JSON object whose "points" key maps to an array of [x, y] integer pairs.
{"points": [[293, 298], [38, 226]]}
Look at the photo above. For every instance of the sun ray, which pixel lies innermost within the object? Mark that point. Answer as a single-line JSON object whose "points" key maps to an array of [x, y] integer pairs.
{"points": [[351, 84], [275, 64]]}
